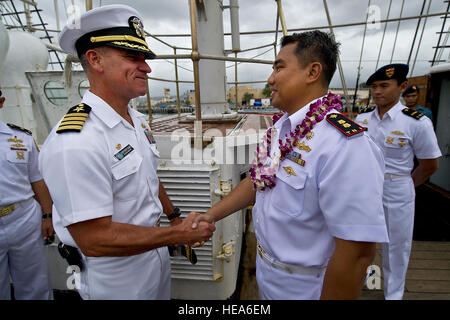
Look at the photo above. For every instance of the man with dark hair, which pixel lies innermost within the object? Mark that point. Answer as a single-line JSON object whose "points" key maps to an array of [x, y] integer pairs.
{"points": [[411, 97], [316, 181], [401, 134]]}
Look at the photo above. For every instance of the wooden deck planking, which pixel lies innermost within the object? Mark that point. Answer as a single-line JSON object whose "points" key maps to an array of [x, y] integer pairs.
{"points": [[428, 275]]}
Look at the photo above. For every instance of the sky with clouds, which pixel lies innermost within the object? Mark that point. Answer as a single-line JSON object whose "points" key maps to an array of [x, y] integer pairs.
{"points": [[172, 17]]}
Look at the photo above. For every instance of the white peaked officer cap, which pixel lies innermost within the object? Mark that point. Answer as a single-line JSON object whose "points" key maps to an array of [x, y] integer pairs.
{"points": [[118, 26]]}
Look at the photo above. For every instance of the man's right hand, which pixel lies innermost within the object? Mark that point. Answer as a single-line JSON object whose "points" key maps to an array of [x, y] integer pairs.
{"points": [[202, 217], [202, 232]]}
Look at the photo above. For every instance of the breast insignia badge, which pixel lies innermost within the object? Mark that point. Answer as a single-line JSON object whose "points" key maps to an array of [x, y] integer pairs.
{"points": [[289, 171], [302, 146]]}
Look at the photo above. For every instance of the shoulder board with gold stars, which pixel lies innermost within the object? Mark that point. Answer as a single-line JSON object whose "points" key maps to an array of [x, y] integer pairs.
{"points": [[413, 113], [365, 110], [74, 119], [13, 126], [344, 124]]}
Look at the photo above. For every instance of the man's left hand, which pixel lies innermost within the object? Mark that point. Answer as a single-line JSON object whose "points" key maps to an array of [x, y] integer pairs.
{"points": [[47, 228]]}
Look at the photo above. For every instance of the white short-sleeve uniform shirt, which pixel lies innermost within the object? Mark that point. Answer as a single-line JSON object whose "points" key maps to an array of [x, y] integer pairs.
{"points": [[337, 193], [400, 137], [19, 165], [107, 169]]}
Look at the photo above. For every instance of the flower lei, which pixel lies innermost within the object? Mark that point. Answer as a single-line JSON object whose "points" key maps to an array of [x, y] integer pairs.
{"points": [[262, 173]]}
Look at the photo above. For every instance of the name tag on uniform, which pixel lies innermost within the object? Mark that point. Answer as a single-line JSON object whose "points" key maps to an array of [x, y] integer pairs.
{"points": [[124, 152]]}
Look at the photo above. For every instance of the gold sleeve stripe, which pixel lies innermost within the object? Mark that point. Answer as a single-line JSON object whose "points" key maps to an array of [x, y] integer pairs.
{"points": [[74, 118], [77, 114], [76, 127], [64, 123]]}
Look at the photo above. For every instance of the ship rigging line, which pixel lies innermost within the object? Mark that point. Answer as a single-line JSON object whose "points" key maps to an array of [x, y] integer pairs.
{"points": [[360, 58], [415, 33], [420, 40], [382, 38], [315, 28], [396, 33]]}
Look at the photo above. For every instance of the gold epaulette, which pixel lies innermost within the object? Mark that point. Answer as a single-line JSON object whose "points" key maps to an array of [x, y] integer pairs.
{"points": [[13, 126], [413, 113], [74, 119], [367, 109], [344, 124]]}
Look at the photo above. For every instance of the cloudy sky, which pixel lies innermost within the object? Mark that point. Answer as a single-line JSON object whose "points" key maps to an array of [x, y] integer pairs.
{"points": [[172, 17]]}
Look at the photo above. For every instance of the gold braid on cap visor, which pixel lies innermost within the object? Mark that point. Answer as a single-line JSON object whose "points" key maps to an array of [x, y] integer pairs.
{"points": [[121, 38]]}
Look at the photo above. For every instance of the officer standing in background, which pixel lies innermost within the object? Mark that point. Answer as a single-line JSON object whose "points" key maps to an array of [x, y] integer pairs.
{"points": [[25, 221], [411, 97], [100, 164], [401, 133], [317, 184]]}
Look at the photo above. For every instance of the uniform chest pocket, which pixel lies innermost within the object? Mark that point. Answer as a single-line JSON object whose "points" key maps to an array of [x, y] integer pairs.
{"points": [[18, 156], [397, 148], [289, 193], [126, 182], [154, 150]]}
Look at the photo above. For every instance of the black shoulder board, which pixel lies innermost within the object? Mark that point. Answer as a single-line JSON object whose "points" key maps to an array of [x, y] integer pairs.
{"points": [[13, 126], [344, 124], [413, 113], [367, 109], [74, 119]]}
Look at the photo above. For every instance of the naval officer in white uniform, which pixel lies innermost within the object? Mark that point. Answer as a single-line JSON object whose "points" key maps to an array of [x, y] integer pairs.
{"points": [[25, 217], [401, 133], [100, 164], [318, 210]]}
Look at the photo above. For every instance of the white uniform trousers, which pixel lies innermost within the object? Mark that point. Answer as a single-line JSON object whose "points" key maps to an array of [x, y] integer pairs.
{"points": [[23, 256], [398, 202], [276, 284], [150, 280]]}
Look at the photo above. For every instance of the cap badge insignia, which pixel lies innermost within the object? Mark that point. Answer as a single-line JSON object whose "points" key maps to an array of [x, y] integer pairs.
{"points": [[390, 72], [289, 171], [136, 23]]}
